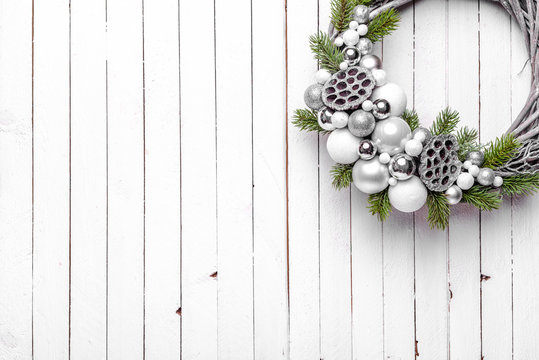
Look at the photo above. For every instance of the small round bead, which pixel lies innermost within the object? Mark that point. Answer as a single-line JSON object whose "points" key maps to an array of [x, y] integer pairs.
{"points": [[474, 170], [339, 41], [413, 147], [465, 181], [322, 76], [343, 65], [350, 37], [420, 137], [467, 164], [339, 119], [354, 25], [392, 181], [367, 105], [362, 29], [384, 158], [380, 77], [498, 181]]}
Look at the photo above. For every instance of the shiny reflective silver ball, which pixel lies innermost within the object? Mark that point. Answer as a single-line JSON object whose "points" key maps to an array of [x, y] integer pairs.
{"points": [[381, 109], [361, 123], [422, 134], [351, 55], [453, 195], [370, 62], [313, 97], [402, 167], [324, 119], [367, 149], [365, 46], [486, 177], [361, 14], [476, 158]]}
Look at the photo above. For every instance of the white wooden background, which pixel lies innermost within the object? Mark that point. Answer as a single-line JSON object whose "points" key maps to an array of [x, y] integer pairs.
{"points": [[156, 203]]}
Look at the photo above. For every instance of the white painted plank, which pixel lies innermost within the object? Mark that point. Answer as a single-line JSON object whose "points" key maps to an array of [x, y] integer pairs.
{"points": [[234, 180], [269, 175], [496, 294], [126, 181], [199, 222], [431, 245], [51, 180], [464, 239], [88, 180], [16, 179], [162, 190], [303, 205]]}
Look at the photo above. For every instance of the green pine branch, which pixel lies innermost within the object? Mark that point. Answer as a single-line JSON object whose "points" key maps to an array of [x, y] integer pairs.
{"points": [[439, 211], [411, 117], [467, 140], [342, 176], [328, 55], [362, 2], [518, 185], [482, 197], [501, 151], [307, 120], [342, 12], [383, 24], [446, 122], [379, 205]]}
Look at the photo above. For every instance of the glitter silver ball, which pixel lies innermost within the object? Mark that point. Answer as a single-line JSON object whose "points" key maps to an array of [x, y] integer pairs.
{"points": [[370, 62], [453, 195], [381, 109], [351, 55], [361, 123], [361, 14], [367, 149], [365, 46], [313, 97], [402, 167], [486, 177], [324, 119], [426, 135], [476, 157]]}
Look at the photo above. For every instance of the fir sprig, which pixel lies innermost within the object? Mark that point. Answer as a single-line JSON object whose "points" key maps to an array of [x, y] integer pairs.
{"points": [[411, 117], [439, 211], [379, 205], [517, 185], [307, 120], [482, 197], [329, 55], [342, 176], [342, 12], [501, 151], [467, 140], [446, 122], [383, 24]]}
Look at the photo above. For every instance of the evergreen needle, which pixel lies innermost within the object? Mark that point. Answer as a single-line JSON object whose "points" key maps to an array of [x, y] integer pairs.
{"points": [[383, 24], [342, 176], [307, 120], [379, 204], [411, 117], [445, 122], [329, 55], [501, 151], [525, 184], [482, 197], [467, 140], [342, 12], [439, 211]]}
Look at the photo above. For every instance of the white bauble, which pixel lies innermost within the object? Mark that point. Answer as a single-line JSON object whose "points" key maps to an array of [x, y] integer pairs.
{"points": [[467, 164], [343, 66], [498, 181], [343, 146], [380, 77], [408, 195], [362, 29], [339, 119], [474, 170], [413, 147], [370, 176], [367, 105], [322, 76], [391, 135], [350, 37], [393, 94], [353, 25], [465, 181], [339, 41], [384, 158]]}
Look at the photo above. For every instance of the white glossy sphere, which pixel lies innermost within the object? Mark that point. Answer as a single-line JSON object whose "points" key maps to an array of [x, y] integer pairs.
{"points": [[391, 135], [380, 77], [339, 41], [384, 158], [413, 147], [367, 105], [350, 37], [420, 137], [322, 76], [394, 94], [392, 181], [465, 181], [342, 146], [453, 195], [409, 195], [474, 170], [467, 164], [343, 66], [362, 29], [339, 119], [369, 176], [354, 25], [498, 181]]}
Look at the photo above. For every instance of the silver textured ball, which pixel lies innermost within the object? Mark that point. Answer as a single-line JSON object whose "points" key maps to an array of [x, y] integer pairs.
{"points": [[361, 14], [391, 135], [422, 134], [370, 62], [486, 176], [402, 167], [351, 55], [367, 149], [476, 157], [453, 195], [365, 46], [370, 176], [381, 109], [361, 123], [313, 97], [325, 119]]}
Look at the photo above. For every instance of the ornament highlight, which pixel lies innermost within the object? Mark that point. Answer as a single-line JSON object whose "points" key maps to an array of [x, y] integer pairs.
{"points": [[339, 119], [342, 146], [393, 94], [391, 135], [325, 119], [370, 176], [367, 150], [381, 109], [408, 195], [313, 97], [370, 62], [351, 55], [485, 176], [361, 123], [465, 181], [402, 167], [453, 195]]}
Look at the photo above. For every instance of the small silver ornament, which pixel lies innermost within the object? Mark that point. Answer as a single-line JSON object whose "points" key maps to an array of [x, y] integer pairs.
{"points": [[440, 165], [422, 134], [367, 149], [476, 157], [486, 176], [313, 97], [381, 109], [402, 167], [347, 89], [351, 55], [365, 46], [370, 176], [361, 14], [370, 62], [325, 119], [453, 195], [361, 123]]}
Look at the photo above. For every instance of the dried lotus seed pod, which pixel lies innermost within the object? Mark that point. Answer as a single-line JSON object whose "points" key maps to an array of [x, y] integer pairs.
{"points": [[347, 89], [440, 165]]}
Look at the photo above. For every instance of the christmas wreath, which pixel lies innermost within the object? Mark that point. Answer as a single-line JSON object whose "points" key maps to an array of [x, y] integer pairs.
{"points": [[381, 148]]}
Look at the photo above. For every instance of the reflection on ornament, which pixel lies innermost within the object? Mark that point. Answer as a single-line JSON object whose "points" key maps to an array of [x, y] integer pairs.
{"points": [[351, 55], [381, 109], [367, 150], [409, 195], [370, 176], [361, 123], [325, 119], [402, 167], [342, 146], [391, 135], [394, 94], [453, 195], [313, 97]]}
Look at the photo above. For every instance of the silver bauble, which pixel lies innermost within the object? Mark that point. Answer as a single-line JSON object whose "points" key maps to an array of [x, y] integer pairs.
{"points": [[367, 149], [361, 14], [486, 176], [361, 123], [476, 157], [325, 120], [313, 97], [402, 167], [426, 135], [370, 62], [391, 135], [351, 55], [381, 109], [365, 46], [453, 195], [370, 176]]}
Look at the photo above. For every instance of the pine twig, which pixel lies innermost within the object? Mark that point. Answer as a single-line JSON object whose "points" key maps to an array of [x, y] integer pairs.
{"points": [[501, 151], [379, 205], [439, 211], [482, 197], [446, 122], [307, 120], [383, 24], [342, 176], [518, 185], [342, 12], [467, 140], [329, 55], [411, 117]]}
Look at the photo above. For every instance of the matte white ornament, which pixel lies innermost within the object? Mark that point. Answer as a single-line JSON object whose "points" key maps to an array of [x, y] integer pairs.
{"points": [[467, 164], [354, 25], [391, 135], [350, 37], [342, 146], [498, 181], [362, 29], [413, 147], [408, 195], [392, 181], [453, 195], [343, 66], [384, 158], [393, 94], [379, 76], [367, 105], [322, 76], [465, 181], [339, 41], [370, 176], [339, 119], [474, 170]]}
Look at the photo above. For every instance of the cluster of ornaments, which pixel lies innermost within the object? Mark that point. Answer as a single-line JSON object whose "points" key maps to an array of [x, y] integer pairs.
{"points": [[363, 112]]}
